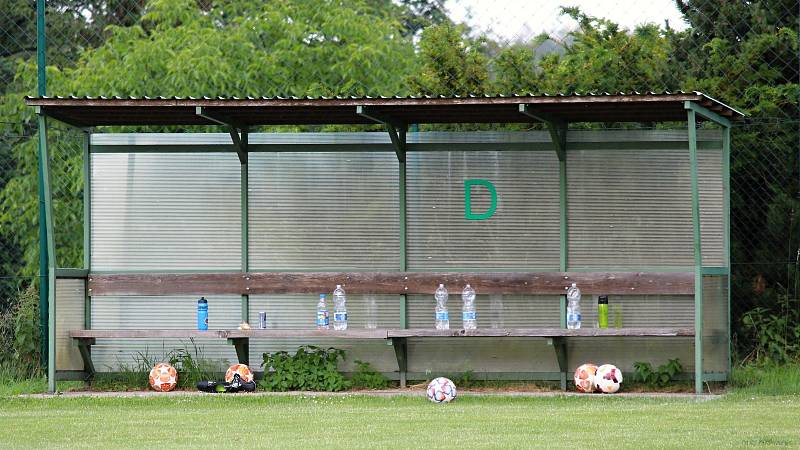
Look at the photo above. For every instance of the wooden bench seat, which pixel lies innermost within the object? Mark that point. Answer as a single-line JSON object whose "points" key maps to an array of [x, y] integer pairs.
{"points": [[397, 337]]}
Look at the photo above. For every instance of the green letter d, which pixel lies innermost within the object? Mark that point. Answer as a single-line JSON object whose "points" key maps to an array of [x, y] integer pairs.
{"points": [[468, 199]]}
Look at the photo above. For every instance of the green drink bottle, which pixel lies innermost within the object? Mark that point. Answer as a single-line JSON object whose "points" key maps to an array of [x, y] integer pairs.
{"points": [[602, 311]]}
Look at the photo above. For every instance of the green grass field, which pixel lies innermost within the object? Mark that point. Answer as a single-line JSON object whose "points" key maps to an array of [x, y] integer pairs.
{"points": [[737, 420]]}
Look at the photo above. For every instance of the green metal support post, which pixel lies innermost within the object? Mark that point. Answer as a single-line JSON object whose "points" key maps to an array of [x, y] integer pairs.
{"points": [[403, 236], [41, 47], [726, 215], [698, 257], [562, 260], [245, 218], [87, 227], [51, 259]]}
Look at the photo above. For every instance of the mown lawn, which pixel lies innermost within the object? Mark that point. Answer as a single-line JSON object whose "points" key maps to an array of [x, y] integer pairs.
{"points": [[737, 420]]}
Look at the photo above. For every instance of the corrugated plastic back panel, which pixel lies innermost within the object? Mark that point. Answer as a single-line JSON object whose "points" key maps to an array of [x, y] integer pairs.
{"points": [[324, 211], [631, 206], [155, 313], [712, 222], [69, 305], [299, 312], [156, 211], [716, 344], [523, 233]]}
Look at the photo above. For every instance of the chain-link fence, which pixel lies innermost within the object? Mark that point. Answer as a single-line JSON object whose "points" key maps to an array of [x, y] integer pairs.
{"points": [[745, 53]]}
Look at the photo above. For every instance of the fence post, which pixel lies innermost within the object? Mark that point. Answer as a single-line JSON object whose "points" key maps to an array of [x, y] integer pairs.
{"points": [[43, 271]]}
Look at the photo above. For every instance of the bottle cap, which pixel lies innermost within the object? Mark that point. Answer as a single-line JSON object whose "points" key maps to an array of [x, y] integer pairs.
{"points": [[602, 300], [441, 285], [574, 284], [202, 300], [338, 286]]}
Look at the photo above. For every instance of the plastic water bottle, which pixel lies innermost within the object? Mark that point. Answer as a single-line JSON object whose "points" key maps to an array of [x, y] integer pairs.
{"points": [[442, 317], [372, 312], [322, 314], [468, 315], [573, 307], [496, 308], [339, 309], [202, 314]]}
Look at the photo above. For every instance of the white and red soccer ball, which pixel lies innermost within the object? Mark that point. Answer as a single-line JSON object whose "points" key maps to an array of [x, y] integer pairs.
{"points": [[584, 377], [244, 372], [163, 377], [607, 379], [441, 390]]}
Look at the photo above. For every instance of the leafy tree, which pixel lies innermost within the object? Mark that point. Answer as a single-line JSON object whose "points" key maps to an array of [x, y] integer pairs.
{"points": [[452, 63]]}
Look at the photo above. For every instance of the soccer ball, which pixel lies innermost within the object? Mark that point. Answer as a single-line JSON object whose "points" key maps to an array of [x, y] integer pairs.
{"points": [[163, 377], [584, 377], [608, 378], [441, 390], [244, 373]]}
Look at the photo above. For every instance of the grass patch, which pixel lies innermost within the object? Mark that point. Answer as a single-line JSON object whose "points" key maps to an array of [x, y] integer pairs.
{"points": [[392, 422], [766, 380]]}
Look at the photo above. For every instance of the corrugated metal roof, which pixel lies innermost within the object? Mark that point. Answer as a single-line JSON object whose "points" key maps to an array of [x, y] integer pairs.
{"points": [[249, 111]]}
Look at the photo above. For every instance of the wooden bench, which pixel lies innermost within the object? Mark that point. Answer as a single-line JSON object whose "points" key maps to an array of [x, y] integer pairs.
{"points": [[240, 339], [400, 283]]}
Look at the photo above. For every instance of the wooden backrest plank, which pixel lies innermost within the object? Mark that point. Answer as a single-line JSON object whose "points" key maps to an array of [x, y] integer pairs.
{"points": [[544, 283]]}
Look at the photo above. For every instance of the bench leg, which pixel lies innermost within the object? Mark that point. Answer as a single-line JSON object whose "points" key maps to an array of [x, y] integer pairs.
{"points": [[560, 347], [84, 346], [242, 346], [401, 352]]}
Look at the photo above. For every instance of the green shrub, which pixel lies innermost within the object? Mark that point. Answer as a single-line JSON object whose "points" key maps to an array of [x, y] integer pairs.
{"points": [[660, 377], [366, 377], [310, 369], [771, 337], [20, 338]]}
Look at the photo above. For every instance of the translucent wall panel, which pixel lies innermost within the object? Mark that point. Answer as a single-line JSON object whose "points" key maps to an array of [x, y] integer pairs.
{"points": [[712, 231], [716, 345], [158, 211], [494, 311], [523, 233], [629, 207], [69, 316], [325, 211], [160, 313], [629, 199], [299, 312]]}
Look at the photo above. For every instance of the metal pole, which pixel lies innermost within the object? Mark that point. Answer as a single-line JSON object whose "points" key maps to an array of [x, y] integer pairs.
{"points": [[403, 237], [245, 218], [698, 258], [47, 218], [43, 272]]}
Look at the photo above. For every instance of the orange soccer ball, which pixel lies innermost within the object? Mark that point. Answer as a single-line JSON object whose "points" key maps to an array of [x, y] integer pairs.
{"points": [[163, 377], [244, 373], [584, 377]]}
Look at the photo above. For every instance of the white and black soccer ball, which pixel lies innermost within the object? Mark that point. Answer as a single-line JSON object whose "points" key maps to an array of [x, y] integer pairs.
{"points": [[441, 390]]}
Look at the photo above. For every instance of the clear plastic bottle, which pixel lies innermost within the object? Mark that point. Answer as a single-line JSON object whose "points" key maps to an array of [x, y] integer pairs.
{"points": [[372, 312], [573, 307], [339, 309], [323, 322], [442, 317], [468, 315], [496, 308]]}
